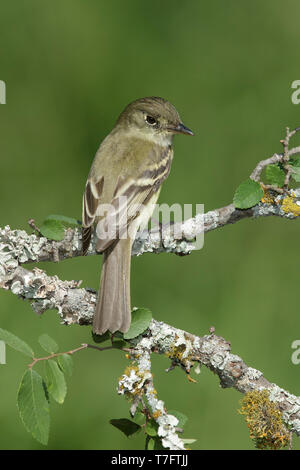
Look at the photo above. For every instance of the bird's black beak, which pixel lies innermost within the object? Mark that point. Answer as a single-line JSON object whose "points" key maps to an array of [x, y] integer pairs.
{"points": [[182, 129]]}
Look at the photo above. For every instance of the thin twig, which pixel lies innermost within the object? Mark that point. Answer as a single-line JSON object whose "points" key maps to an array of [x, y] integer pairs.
{"points": [[31, 223], [277, 158], [72, 351]]}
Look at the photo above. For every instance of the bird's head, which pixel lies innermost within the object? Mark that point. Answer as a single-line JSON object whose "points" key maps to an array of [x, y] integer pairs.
{"points": [[153, 117]]}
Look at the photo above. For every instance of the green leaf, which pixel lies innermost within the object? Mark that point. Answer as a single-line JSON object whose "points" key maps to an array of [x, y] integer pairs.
{"points": [[53, 230], [56, 383], [182, 419], [126, 426], [33, 406], [275, 175], [140, 321], [118, 334], [151, 428], [65, 362], [120, 344], [16, 343], [101, 338], [48, 344], [296, 174], [150, 443], [189, 441], [248, 194], [53, 227], [294, 161], [154, 443], [139, 417], [66, 221]]}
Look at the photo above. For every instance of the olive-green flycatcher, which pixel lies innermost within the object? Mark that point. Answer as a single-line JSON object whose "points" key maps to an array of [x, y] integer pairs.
{"points": [[120, 195]]}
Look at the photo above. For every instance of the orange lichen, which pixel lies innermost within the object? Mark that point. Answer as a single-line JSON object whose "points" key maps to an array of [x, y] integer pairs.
{"points": [[267, 198], [190, 379]]}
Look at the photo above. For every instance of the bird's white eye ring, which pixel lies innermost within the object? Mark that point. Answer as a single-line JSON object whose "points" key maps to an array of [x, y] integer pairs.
{"points": [[150, 120]]}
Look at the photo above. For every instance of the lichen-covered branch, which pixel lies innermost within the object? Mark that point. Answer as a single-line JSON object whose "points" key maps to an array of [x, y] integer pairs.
{"points": [[187, 350], [137, 383], [76, 305], [17, 247]]}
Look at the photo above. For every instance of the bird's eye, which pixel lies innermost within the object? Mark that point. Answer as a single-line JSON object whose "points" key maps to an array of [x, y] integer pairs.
{"points": [[150, 120]]}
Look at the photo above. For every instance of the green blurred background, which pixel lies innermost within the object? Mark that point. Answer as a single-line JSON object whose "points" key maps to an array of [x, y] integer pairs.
{"points": [[70, 67]]}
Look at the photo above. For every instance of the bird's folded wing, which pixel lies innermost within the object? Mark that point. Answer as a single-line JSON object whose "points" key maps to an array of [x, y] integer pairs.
{"points": [[114, 218], [91, 197], [126, 206], [129, 198]]}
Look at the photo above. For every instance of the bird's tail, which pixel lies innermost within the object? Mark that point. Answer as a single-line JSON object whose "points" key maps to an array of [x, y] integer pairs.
{"points": [[113, 310]]}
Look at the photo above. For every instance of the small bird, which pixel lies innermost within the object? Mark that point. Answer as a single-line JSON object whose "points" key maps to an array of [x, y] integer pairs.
{"points": [[120, 195]]}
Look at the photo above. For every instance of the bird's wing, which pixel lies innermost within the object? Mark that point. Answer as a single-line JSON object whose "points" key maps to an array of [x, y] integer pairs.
{"points": [[129, 197], [91, 197], [125, 207]]}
